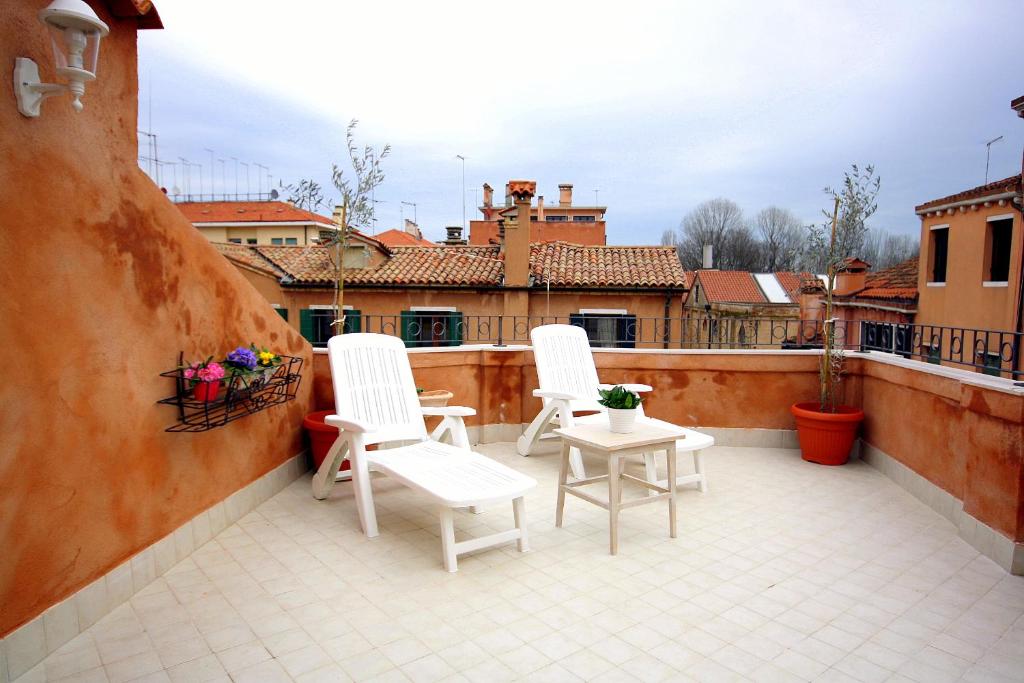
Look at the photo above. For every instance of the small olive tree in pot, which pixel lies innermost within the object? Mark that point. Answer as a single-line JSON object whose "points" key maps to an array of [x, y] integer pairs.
{"points": [[826, 428]]}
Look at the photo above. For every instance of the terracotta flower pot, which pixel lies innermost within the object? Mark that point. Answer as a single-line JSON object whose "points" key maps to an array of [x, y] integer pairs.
{"points": [[437, 398], [321, 437], [826, 438], [206, 391]]}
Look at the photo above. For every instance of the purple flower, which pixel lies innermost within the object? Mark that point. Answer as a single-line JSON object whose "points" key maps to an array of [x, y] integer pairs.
{"points": [[242, 358]]}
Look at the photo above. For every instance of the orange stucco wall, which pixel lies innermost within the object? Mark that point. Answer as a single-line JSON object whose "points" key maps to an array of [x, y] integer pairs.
{"points": [[964, 438], [482, 233], [104, 283], [964, 301]]}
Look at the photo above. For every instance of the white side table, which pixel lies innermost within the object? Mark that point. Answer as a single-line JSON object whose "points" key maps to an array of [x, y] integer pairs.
{"points": [[599, 441]]}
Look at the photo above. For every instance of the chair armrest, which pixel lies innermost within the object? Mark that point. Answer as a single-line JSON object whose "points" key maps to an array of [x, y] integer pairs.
{"points": [[349, 425], [636, 388], [557, 395], [449, 411]]}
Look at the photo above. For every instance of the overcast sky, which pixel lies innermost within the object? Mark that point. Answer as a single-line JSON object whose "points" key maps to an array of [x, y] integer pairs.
{"points": [[659, 106]]}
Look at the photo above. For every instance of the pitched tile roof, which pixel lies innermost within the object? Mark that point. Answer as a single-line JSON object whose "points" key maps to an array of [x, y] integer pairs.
{"points": [[568, 265], [895, 282], [790, 280], [438, 265], [248, 212], [730, 286], [248, 256], [1011, 184], [574, 265], [401, 238]]}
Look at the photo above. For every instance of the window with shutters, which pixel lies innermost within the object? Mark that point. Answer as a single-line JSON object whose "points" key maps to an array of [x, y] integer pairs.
{"points": [[316, 323]]}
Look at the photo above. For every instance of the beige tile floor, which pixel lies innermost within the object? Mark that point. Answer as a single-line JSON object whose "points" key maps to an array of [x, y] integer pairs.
{"points": [[783, 571]]}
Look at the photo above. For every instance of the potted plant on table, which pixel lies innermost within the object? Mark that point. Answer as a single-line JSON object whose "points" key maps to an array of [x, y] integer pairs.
{"points": [[204, 378], [621, 404], [826, 428]]}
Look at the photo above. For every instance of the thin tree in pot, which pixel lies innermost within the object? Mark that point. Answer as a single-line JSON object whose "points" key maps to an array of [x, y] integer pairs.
{"points": [[826, 429], [357, 209], [836, 241]]}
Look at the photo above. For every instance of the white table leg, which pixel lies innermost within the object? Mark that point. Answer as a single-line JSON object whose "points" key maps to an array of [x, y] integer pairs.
{"points": [[563, 475], [519, 513], [670, 455], [614, 493]]}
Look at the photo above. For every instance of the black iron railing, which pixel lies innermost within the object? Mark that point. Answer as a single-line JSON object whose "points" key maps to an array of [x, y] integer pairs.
{"points": [[993, 352]]}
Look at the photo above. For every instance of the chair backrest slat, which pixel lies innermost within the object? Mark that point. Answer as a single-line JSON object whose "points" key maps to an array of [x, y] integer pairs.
{"points": [[565, 363], [373, 383]]}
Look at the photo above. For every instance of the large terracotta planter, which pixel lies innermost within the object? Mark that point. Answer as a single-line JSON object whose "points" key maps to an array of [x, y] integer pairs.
{"points": [[321, 437], [826, 438], [438, 398]]}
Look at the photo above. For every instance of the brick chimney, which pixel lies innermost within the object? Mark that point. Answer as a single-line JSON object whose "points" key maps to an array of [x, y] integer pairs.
{"points": [[517, 234], [565, 194], [488, 195], [851, 277], [540, 207]]}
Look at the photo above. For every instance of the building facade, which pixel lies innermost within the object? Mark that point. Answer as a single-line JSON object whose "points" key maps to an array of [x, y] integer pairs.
{"points": [[970, 273], [444, 295], [270, 223], [562, 222]]}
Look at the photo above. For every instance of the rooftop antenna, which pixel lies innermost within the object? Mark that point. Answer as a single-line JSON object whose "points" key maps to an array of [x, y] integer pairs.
{"points": [[235, 159], [459, 156], [413, 205], [247, 186], [988, 153], [596, 203], [185, 174], [223, 177], [213, 171], [259, 179]]}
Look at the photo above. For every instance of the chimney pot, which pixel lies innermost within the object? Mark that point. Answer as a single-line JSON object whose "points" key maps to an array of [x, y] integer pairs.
{"points": [[540, 207], [708, 261], [565, 194], [488, 195], [454, 237]]}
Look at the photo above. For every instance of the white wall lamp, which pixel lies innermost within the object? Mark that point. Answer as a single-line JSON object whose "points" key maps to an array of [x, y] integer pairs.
{"points": [[75, 33]]}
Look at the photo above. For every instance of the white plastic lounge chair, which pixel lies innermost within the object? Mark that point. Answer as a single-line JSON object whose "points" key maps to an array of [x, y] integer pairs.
{"points": [[568, 384], [376, 403]]}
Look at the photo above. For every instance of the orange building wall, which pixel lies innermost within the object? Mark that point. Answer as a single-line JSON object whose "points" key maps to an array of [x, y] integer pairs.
{"points": [[964, 302], [483, 233], [104, 283]]}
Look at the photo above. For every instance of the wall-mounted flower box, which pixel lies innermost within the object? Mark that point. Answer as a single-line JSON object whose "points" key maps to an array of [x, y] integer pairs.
{"points": [[203, 405]]}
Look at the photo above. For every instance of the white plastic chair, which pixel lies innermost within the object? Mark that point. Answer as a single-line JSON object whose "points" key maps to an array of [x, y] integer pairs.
{"points": [[376, 403], [568, 382]]}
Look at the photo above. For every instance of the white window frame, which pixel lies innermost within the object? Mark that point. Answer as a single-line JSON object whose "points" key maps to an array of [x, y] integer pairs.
{"points": [[603, 311], [433, 309], [327, 307]]}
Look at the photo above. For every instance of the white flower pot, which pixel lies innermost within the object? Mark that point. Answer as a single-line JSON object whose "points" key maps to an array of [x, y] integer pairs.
{"points": [[621, 420]]}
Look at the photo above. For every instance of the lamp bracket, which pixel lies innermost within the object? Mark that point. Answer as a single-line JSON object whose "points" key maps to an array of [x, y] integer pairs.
{"points": [[30, 91]]}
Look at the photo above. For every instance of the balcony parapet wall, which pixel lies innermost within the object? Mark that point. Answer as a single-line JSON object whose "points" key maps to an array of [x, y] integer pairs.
{"points": [[959, 430]]}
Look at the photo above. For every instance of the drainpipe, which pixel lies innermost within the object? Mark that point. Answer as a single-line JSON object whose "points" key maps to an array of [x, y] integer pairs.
{"points": [[1018, 106]]}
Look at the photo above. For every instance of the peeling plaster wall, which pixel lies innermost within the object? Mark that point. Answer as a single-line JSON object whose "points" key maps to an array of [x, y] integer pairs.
{"points": [[104, 283]]}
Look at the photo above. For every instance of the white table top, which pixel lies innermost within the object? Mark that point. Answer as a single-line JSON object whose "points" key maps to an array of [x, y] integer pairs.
{"points": [[599, 437]]}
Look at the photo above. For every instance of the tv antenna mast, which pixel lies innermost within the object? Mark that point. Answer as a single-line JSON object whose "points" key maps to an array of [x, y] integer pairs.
{"points": [[988, 153]]}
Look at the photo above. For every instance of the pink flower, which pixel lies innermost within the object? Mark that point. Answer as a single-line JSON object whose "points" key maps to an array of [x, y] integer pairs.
{"points": [[211, 372], [190, 373]]}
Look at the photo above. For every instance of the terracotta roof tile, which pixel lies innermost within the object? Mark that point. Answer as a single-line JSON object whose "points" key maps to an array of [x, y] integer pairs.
{"points": [[438, 265], [730, 286], [790, 281], [574, 265], [248, 256], [248, 212], [895, 282], [400, 238], [569, 265], [1011, 184]]}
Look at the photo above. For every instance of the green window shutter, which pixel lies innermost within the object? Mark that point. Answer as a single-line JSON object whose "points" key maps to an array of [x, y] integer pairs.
{"points": [[283, 312], [408, 321], [306, 324], [454, 329], [353, 321]]}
